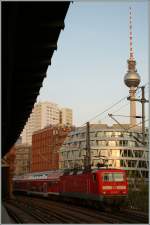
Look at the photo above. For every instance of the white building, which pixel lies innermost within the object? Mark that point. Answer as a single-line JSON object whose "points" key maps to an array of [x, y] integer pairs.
{"points": [[117, 147], [44, 114]]}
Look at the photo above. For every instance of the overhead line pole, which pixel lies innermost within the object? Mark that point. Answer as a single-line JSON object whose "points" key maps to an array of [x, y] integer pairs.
{"points": [[126, 129], [143, 112], [88, 148], [143, 101]]}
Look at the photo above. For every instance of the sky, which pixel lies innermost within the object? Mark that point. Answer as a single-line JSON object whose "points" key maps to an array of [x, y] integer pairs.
{"points": [[87, 70]]}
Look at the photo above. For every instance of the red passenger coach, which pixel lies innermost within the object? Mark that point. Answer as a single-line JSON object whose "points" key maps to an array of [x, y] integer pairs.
{"points": [[107, 186]]}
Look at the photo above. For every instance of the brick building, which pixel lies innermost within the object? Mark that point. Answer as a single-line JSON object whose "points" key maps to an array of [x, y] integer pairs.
{"points": [[45, 147]]}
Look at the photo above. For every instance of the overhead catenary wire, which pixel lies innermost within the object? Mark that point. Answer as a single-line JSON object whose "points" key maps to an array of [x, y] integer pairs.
{"points": [[137, 124], [105, 110], [138, 89], [116, 110]]}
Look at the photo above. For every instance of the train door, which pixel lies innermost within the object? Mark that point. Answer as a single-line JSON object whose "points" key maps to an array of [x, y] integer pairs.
{"points": [[45, 187], [28, 186], [88, 184], [94, 183]]}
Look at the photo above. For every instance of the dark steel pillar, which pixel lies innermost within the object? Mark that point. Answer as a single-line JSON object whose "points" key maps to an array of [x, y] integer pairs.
{"points": [[143, 112], [88, 148]]}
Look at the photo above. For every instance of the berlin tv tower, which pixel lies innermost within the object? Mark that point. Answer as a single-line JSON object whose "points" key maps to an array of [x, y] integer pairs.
{"points": [[132, 78]]}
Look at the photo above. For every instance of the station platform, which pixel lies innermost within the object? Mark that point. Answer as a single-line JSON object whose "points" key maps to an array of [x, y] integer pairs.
{"points": [[5, 218]]}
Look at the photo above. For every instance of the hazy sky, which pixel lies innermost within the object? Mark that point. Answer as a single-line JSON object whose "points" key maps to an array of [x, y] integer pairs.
{"points": [[88, 68]]}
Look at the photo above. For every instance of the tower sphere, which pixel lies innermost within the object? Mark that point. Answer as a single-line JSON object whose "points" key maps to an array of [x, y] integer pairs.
{"points": [[132, 79]]}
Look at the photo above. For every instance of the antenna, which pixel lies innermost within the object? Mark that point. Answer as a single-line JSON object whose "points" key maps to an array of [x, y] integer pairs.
{"points": [[130, 35]]}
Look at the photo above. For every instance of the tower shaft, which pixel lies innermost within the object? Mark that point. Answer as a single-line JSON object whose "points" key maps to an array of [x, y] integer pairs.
{"points": [[132, 92]]}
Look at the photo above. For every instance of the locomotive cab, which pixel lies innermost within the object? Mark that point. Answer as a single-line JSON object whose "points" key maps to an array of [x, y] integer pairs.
{"points": [[113, 185]]}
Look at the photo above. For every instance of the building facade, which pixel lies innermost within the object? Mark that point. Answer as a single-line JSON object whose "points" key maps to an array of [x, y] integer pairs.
{"points": [[66, 116], [23, 158], [45, 114], [46, 144], [114, 146]]}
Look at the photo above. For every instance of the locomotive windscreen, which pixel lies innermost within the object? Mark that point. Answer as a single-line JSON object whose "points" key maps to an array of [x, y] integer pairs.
{"points": [[117, 177]]}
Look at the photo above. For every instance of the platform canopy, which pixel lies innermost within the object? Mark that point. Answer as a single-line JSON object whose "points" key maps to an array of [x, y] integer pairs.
{"points": [[30, 31]]}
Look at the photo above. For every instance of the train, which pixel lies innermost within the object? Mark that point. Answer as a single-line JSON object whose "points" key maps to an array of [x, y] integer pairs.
{"points": [[97, 187]]}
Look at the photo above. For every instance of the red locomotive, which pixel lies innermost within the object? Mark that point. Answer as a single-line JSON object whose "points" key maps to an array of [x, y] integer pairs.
{"points": [[107, 186]]}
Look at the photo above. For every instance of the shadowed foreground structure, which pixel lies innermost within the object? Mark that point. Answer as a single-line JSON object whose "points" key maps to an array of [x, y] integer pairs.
{"points": [[30, 32]]}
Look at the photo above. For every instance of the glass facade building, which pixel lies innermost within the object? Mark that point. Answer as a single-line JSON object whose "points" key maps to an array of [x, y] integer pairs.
{"points": [[116, 147]]}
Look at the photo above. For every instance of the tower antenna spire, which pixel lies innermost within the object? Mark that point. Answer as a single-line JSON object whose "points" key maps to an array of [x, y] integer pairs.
{"points": [[130, 35], [132, 78]]}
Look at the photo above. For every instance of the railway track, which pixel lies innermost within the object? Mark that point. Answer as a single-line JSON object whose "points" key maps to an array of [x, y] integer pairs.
{"points": [[19, 215], [136, 216], [47, 211]]}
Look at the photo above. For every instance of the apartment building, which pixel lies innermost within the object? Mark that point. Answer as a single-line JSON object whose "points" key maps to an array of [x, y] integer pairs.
{"points": [[66, 116], [45, 114]]}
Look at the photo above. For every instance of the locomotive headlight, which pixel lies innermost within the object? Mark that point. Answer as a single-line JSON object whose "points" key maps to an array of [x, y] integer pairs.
{"points": [[121, 187], [107, 187]]}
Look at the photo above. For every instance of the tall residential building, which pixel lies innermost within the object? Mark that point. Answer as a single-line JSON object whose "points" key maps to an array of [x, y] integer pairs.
{"points": [[43, 115], [66, 116]]}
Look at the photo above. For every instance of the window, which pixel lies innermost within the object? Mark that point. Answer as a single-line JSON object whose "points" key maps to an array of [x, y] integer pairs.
{"points": [[108, 134], [108, 177], [100, 134], [101, 143], [118, 177], [122, 163], [125, 153], [117, 134], [130, 153], [131, 143], [129, 163], [112, 143]]}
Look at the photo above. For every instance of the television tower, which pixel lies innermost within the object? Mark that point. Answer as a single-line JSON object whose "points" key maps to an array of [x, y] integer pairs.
{"points": [[132, 78]]}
